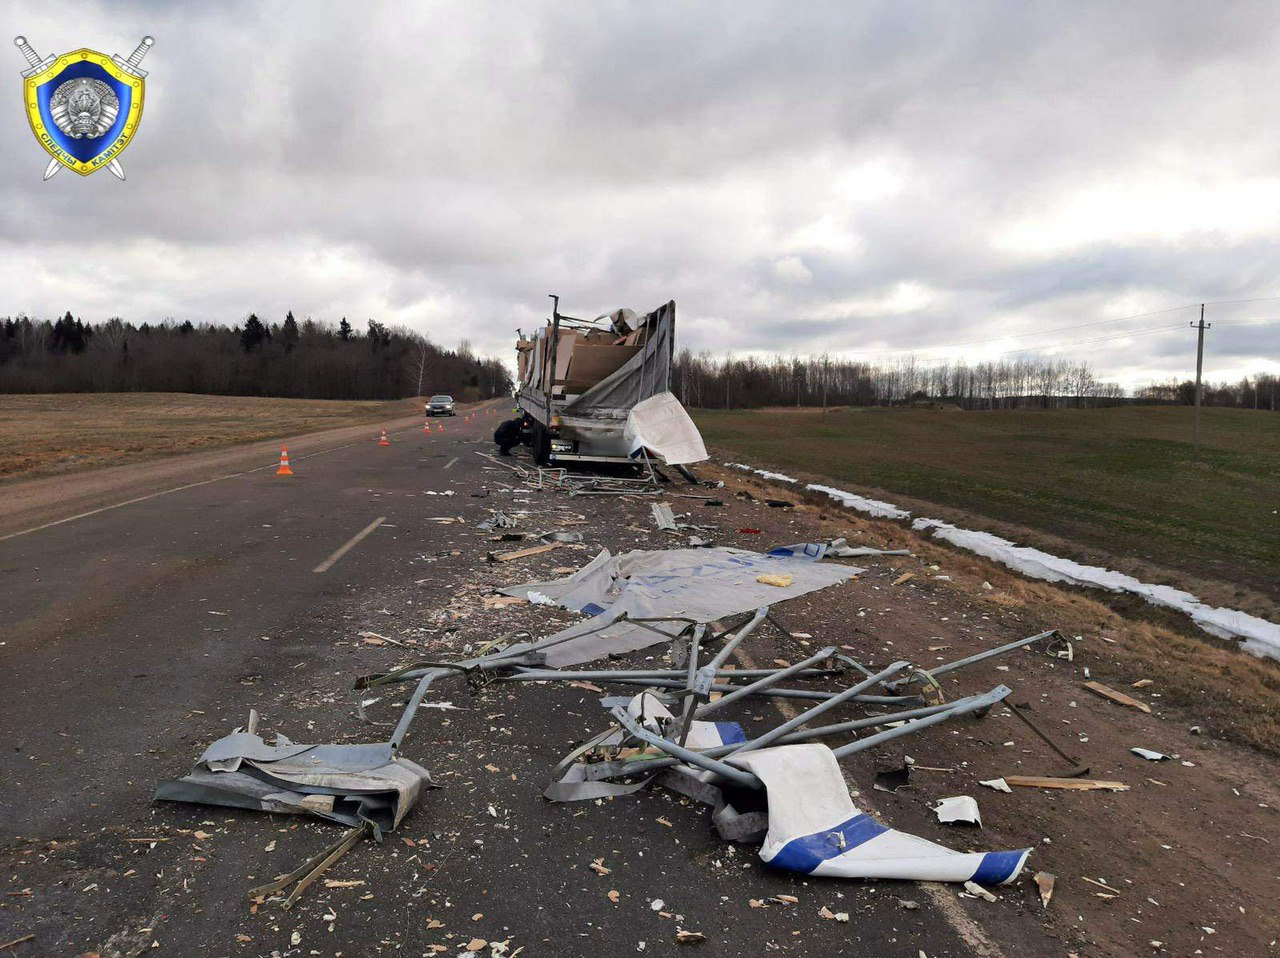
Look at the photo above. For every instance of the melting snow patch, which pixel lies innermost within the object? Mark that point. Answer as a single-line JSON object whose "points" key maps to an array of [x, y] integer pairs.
{"points": [[874, 507], [1259, 636], [763, 473]]}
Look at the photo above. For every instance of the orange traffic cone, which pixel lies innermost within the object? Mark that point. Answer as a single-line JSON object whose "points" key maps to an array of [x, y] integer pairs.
{"points": [[284, 469], [426, 427], [384, 441]]}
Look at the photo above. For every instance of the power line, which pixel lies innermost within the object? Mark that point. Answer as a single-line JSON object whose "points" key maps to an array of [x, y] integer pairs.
{"points": [[1100, 322], [1098, 339]]}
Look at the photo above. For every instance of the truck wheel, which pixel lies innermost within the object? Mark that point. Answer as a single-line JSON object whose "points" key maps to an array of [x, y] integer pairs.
{"points": [[541, 444]]}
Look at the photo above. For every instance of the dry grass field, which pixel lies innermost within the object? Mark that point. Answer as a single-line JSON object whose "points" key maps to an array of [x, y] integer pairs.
{"points": [[54, 433]]}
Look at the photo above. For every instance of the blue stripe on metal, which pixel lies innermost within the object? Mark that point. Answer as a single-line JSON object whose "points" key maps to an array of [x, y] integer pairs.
{"points": [[730, 732], [998, 867], [808, 852]]}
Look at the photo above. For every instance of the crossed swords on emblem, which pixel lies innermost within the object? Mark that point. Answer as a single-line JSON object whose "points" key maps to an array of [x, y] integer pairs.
{"points": [[129, 66]]}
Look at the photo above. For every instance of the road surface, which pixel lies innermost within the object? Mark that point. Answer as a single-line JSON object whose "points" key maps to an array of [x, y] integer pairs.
{"points": [[135, 634]]}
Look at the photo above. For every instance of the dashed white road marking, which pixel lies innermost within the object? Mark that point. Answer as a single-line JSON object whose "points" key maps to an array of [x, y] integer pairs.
{"points": [[350, 544]]}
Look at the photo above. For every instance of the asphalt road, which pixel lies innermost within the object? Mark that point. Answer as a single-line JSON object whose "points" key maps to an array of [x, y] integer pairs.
{"points": [[134, 636]]}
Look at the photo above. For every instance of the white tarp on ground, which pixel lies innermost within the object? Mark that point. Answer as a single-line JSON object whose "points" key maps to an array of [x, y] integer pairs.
{"points": [[697, 584], [661, 425], [815, 829]]}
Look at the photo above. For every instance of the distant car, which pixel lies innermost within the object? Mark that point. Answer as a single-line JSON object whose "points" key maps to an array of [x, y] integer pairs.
{"points": [[440, 406]]}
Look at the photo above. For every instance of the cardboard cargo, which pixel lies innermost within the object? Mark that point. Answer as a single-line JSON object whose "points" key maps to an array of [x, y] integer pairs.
{"points": [[591, 362]]}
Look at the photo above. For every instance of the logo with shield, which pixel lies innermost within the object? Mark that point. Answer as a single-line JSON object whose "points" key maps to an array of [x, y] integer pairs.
{"points": [[84, 107]]}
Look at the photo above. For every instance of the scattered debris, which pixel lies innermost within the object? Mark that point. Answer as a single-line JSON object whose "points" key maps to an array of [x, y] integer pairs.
{"points": [[1149, 755], [999, 784]]}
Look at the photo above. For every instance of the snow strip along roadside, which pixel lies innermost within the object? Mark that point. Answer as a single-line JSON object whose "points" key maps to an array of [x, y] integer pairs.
{"points": [[1257, 636]]}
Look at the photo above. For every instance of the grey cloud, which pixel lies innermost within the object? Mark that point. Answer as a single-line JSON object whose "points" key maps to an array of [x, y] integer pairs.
{"points": [[446, 166]]}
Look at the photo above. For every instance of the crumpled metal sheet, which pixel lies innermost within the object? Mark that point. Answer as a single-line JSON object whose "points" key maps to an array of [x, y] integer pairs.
{"points": [[700, 585], [350, 784]]}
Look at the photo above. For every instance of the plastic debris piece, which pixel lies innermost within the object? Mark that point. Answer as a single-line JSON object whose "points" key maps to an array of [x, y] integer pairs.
{"points": [[815, 829], [960, 808], [1149, 755]]}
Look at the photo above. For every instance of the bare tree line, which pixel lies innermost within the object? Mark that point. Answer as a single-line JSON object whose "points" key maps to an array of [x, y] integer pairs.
{"points": [[1260, 392], [308, 359], [703, 380]]}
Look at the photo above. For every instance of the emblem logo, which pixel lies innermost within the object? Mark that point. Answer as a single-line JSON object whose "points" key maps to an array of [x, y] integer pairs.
{"points": [[84, 107]]}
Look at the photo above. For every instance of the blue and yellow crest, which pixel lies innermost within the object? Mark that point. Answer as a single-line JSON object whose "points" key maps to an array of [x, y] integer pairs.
{"points": [[84, 107]]}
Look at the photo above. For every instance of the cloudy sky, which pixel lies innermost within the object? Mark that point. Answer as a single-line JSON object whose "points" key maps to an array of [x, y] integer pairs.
{"points": [[949, 179]]}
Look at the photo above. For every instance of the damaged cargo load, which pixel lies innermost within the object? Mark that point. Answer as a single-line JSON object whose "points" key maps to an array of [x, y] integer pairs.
{"points": [[599, 390]]}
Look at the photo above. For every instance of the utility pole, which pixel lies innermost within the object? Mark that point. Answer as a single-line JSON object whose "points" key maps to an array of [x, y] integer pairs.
{"points": [[1199, 370], [826, 366]]}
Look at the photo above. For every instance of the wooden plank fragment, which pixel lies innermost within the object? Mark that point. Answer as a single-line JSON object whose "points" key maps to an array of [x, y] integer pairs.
{"points": [[1077, 784], [523, 553], [1097, 688]]}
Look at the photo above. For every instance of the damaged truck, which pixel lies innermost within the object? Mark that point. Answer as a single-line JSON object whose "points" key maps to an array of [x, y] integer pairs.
{"points": [[598, 391]]}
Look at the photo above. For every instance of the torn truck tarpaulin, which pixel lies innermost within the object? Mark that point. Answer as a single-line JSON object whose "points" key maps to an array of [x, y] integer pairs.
{"points": [[815, 829], [698, 585], [661, 425], [351, 784]]}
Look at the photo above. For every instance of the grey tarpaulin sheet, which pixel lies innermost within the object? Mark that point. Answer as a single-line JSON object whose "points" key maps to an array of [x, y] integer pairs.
{"points": [[343, 783], [698, 584]]}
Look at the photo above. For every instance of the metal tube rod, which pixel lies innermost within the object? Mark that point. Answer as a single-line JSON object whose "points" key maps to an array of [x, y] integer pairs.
{"points": [[735, 640], [962, 707], [604, 675], [766, 681], [804, 717], [977, 657], [685, 754], [691, 673], [642, 767]]}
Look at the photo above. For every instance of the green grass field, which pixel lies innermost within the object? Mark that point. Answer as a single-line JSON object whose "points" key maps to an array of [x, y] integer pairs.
{"points": [[1122, 481]]}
